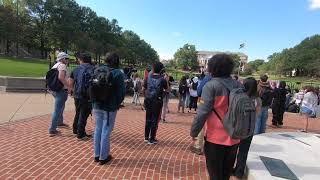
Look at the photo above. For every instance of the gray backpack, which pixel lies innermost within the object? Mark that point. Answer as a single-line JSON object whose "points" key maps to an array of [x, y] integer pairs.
{"points": [[240, 119]]}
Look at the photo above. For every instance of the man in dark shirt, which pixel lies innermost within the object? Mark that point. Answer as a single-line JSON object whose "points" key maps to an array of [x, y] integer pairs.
{"points": [[154, 88], [81, 101]]}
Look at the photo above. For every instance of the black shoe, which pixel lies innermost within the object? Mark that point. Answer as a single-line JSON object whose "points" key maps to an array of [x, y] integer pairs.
{"points": [[102, 162], [54, 133], [84, 138], [152, 142], [96, 159], [63, 125]]}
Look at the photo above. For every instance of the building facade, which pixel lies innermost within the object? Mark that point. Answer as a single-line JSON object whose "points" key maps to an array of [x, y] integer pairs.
{"points": [[204, 56]]}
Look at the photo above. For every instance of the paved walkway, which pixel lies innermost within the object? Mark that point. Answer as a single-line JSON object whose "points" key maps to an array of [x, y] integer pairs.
{"points": [[27, 152]]}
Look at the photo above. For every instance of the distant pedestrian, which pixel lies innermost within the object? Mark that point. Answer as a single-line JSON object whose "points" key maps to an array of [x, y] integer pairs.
{"points": [[108, 91], [187, 102], [220, 149], [266, 94], [79, 82], [61, 94], [279, 104], [154, 88], [193, 94], [250, 85], [183, 88], [309, 105], [166, 98], [137, 87]]}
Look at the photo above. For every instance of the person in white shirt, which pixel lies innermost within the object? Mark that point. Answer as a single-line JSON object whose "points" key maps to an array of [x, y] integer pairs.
{"points": [[193, 94], [60, 96], [309, 103]]}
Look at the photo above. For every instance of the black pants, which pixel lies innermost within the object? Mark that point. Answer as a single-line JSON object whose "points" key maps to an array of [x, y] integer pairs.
{"points": [[277, 118], [242, 157], [83, 110], [220, 160], [193, 103], [153, 112]]}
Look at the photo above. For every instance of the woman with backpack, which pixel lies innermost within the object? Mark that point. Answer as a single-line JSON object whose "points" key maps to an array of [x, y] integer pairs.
{"points": [[193, 94], [220, 148], [250, 85], [279, 104], [183, 88]]}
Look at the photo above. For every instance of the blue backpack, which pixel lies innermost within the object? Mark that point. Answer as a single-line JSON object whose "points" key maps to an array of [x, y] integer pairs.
{"points": [[154, 88], [83, 83]]}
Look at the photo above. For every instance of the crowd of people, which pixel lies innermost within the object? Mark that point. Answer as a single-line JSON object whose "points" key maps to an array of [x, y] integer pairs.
{"points": [[209, 95]]}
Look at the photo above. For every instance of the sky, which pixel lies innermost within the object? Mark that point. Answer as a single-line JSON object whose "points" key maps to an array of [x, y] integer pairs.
{"points": [[265, 26]]}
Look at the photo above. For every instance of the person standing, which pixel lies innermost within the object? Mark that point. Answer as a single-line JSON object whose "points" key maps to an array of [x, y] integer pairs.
{"points": [[250, 85], [279, 104], [220, 149], [187, 102], [154, 88], [136, 88], [193, 94], [308, 106], [79, 83], [183, 88], [266, 94], [61, 95], [105, 108], [166, 98]]}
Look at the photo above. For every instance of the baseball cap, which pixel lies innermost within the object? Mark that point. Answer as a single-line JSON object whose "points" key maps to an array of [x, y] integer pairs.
{"points": [[62, 55]]}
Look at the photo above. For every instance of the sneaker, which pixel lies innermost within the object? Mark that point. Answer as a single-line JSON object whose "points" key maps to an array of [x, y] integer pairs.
{"points": [[109, 158], [63, 125], [146, 140], [163, 120], [279, 126], [96, 159], [196, 150], [151, 142], [85, 137], [54, 133]]}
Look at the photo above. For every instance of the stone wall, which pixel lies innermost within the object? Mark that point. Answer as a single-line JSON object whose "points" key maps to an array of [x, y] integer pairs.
{"points": [[21, 84]]}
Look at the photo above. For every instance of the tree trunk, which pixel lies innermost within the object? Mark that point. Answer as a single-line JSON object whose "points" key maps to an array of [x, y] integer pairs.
{"points": [[17, 48], [8, 47]]}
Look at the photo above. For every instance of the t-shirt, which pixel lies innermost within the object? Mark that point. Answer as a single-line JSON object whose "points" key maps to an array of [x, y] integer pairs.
{"points": [[77, 77], [62, 67], [310, 100]]}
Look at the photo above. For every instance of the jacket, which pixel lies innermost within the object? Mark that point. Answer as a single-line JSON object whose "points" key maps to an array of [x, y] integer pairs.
{"points": [[215, 95]]}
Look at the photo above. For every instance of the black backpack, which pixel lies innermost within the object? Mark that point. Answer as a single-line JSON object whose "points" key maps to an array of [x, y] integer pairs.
{"points": [[153, 91], [100, 86], [183, 89], [52, 80], [194, 86], [266, 97], [83, 83]]}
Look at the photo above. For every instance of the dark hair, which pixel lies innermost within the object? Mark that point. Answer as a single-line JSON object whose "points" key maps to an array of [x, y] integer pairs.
{"points": [[264, 78], [282, 85], [85, 57], [157, 67], [113, 59], [183, 80], [251, 86], [221, 65], [236, 77]]}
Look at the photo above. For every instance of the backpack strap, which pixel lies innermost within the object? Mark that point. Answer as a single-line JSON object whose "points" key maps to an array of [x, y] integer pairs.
{"points": [[214, 110]]}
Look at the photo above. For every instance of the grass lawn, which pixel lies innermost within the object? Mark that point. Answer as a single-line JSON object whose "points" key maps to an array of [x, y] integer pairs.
{"points": [[20, 67]]}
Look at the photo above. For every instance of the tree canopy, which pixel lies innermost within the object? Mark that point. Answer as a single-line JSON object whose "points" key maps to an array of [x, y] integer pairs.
{"points": [[304, 58], [186, 57], [48, 25]]}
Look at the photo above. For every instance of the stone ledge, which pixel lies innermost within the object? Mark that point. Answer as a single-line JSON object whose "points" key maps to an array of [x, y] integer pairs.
{"points": [[22, 84]]}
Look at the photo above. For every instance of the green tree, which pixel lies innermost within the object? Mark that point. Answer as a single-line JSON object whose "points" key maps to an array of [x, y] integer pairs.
{"points": [[254, 65], [186, 57]]}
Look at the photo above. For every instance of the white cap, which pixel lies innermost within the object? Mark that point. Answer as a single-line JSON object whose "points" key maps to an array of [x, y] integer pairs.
{"points": [[195, 79], [62, 55]]}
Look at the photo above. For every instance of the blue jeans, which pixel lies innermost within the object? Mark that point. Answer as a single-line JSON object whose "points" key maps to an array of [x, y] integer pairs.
{"points": [[104, 127], [60, 98], [261, 121]]}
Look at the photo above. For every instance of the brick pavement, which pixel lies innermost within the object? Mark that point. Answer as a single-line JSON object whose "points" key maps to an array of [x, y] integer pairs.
{"points": [[27, 152]]}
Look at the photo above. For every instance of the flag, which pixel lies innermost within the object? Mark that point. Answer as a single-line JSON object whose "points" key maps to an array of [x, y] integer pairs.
{"points": [[242, 45]]}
